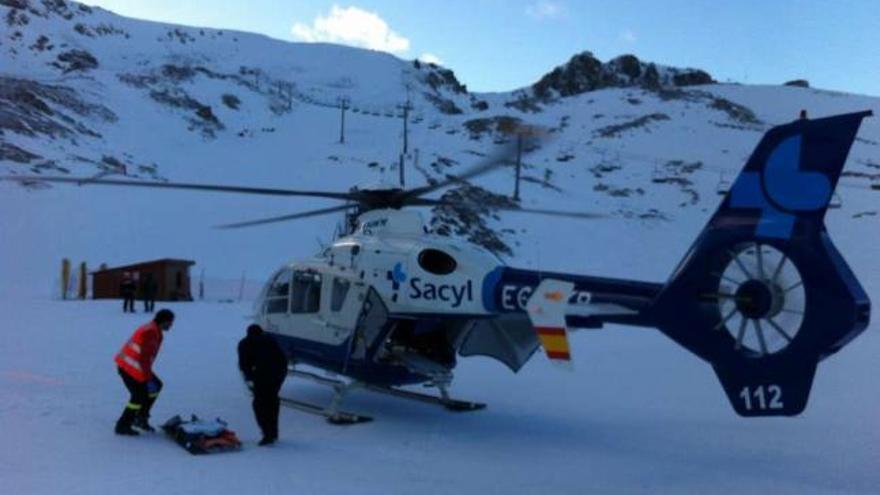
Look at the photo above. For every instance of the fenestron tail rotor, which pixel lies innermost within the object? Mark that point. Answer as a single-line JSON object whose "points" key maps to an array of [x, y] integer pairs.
{"points": [[761, 299]]}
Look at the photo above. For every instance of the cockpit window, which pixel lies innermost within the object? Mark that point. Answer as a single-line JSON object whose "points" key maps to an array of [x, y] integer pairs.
{"points": [[437, 262], [340, 290], [280, 284], [277, 296], [306, 292]]}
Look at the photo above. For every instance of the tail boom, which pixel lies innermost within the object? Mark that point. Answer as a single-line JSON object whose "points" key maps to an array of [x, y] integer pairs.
{"points": [[762, 295]]}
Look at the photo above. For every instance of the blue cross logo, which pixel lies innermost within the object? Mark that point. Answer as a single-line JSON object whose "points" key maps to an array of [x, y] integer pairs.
{"points": [[397, 276], [790, 188]]}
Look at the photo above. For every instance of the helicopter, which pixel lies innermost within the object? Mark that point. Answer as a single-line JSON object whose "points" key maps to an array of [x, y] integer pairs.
{"points": [[762, 294]]}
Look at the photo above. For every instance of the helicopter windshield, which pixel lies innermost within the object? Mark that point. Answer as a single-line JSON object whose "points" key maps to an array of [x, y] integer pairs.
{"points": [[278, 293]]}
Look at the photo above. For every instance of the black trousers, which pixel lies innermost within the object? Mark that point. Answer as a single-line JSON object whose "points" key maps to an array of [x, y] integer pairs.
{"points": [[143, 396], [266, 406], [127, 304], [149, 304]]}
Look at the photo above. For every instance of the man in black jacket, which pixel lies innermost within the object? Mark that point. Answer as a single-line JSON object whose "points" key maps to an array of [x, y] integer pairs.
{"points": [[264, 367], [149, 288], [127, 289]]}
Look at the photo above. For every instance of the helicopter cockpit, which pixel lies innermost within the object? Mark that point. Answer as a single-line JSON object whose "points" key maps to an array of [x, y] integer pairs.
{"points": [[294, 291]]}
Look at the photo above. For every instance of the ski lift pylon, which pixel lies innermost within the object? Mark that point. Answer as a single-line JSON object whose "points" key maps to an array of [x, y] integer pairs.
{"points": [[723, 186], [836, 201], [661, 174]]}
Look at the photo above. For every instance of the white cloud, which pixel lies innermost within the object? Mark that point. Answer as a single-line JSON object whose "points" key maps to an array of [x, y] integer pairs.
{"points": [[545, 9], [627, 36], [352, 26], [430, 58]]}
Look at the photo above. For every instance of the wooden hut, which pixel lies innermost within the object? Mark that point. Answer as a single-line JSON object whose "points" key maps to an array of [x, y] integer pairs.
{"points": [[171, 277]]}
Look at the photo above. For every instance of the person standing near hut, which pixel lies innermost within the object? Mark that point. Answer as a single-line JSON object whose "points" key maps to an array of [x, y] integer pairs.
{"points": [[149, 288], [127, 291]]}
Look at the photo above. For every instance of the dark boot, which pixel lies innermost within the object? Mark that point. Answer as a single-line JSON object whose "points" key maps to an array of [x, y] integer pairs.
{"points": [[142, 422], [142, 419], [123, 425], [126, 430]]}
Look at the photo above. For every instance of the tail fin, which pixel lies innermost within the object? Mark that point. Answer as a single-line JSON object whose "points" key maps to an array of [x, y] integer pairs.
{"points": [[546, 309], [763, 294]]}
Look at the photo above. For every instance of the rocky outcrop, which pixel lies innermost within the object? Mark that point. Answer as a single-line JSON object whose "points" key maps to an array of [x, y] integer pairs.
{"points": [[443, 86], [584, 72], [616, 130], [798, 83], [466, 213], [31, 108], [75, 61], [12, 153], [204, 119], [494, 126], [46, 8]]}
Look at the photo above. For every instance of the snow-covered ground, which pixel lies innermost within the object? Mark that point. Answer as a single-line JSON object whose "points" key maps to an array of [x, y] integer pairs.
{"points": [[638, 415]]}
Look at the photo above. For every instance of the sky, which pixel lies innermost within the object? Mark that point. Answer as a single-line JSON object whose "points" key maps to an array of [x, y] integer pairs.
{"points": [[500, 45]]}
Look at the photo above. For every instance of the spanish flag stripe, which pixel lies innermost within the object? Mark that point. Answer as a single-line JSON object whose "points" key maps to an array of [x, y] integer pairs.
{"points": [[550, 331], [555, 343], [558, 355]]}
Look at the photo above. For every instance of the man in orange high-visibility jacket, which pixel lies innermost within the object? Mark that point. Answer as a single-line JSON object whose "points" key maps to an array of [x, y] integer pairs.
{"points": [[135, 363]]}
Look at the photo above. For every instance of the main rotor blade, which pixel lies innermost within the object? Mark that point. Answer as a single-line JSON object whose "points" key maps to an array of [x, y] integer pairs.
{"points": [[538, 211], [283, 218], [555, 213], [493, 161], [179, 185], [497, 159]]}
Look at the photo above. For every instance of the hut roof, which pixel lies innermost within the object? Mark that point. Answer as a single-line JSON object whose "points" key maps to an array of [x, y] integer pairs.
{"points": [[135, 266]]}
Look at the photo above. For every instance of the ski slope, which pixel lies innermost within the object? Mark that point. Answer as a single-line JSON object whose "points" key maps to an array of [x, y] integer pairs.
{"points": [[638, 415]]}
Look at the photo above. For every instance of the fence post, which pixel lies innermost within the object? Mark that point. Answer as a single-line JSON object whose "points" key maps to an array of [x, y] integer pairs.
{"points": [[65, 277], [82, 288]]}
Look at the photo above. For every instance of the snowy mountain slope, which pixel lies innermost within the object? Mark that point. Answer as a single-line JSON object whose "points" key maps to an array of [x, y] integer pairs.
{"points": [[191, 104], [203, 105]]}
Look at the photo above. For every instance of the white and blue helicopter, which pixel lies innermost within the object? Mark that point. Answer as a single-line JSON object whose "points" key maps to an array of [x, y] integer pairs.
{"points": [[762, 295]]}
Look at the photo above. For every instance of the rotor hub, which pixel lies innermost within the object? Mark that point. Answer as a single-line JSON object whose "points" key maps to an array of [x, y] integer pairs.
{"points": [[758, 299]]}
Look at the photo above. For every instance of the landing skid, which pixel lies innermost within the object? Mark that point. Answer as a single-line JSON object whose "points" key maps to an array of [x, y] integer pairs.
{"points": [[444, 399], [331, 413], [336, 418], [334, 415]]}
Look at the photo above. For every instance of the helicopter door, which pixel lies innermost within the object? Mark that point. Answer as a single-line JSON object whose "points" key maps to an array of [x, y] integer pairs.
{"points": [[371, 325], [346, 301], [305, 307]]}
